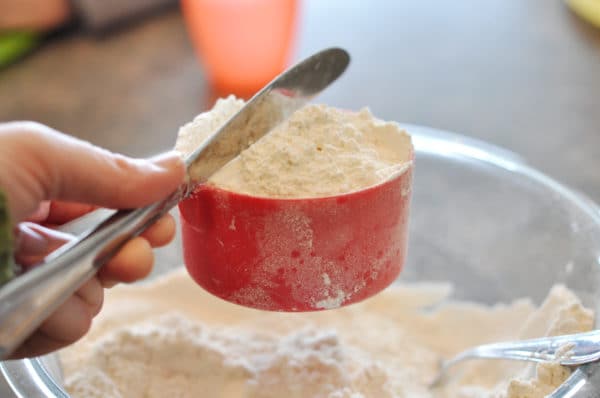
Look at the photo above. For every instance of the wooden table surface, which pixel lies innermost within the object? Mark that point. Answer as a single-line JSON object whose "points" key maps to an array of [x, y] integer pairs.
{"points": [[522, 74]]}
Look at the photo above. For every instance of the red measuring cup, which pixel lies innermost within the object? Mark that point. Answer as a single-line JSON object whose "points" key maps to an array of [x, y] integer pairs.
{"points": [[296, 254]]}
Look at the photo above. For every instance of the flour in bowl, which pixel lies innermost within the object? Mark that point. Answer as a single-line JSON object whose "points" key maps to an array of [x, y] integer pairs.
{"points": [[319, 151], [386, 347]]}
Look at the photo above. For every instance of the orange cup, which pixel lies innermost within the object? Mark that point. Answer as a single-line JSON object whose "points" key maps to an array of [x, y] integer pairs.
{"points": [[242, 44]]}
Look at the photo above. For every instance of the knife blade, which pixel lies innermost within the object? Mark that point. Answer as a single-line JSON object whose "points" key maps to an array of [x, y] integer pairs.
{"points": [[268, 108]]}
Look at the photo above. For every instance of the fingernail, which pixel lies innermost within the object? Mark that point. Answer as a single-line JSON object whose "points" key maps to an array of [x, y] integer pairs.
{"points": [[41, 213], [167, 160]]}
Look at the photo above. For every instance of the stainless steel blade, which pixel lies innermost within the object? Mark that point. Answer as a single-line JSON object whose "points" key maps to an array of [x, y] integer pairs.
{"points": [[268, 108]]}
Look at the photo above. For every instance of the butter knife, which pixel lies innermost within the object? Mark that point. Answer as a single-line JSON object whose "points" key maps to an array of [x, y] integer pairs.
{"points": [[27, 300]]}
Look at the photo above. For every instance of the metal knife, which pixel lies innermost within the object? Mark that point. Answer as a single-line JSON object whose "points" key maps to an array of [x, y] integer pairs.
{"points": [[26, 301]]}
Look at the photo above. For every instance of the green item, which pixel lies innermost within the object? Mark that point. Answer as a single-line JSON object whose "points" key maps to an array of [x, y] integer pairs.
{"points": [[14, 45], [7, 262]]}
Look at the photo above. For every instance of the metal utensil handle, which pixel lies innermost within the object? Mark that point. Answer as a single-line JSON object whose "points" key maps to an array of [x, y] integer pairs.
{"points": [[568, 350], [29, 299], [80, 226]]}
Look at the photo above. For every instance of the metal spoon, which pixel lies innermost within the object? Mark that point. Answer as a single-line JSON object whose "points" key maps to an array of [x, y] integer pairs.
{"points": [[568, 350], [29, 299]]}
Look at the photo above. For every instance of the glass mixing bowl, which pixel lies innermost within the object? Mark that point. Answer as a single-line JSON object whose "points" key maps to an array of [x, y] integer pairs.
{"points": [[481, 219]]}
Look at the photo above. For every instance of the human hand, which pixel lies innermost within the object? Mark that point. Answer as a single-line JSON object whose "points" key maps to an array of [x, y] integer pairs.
{"points": [[49, 178]]}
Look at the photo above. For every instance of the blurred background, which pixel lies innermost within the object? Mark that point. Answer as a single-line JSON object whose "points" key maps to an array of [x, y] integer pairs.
{"points": [[522, 74]]}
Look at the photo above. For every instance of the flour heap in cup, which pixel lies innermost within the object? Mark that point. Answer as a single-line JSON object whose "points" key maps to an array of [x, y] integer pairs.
{"points": [[320, 151]]}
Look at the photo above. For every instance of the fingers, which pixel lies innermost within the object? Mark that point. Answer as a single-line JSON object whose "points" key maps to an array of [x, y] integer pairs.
{"points": [[34, 242], [41, 213], [92, 295], [134, 261], [37, 344], [161, 232], [39, 163], [30, 242], [62, 212], [74, 317], [56, 213], [67, 324]]}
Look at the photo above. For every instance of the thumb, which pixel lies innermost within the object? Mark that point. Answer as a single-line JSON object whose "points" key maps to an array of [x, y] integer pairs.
{"points": [[40, 163]]}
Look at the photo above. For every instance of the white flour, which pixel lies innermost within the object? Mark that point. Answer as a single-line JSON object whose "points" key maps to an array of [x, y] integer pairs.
{"points": [[319, 151], [387, 346]]}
